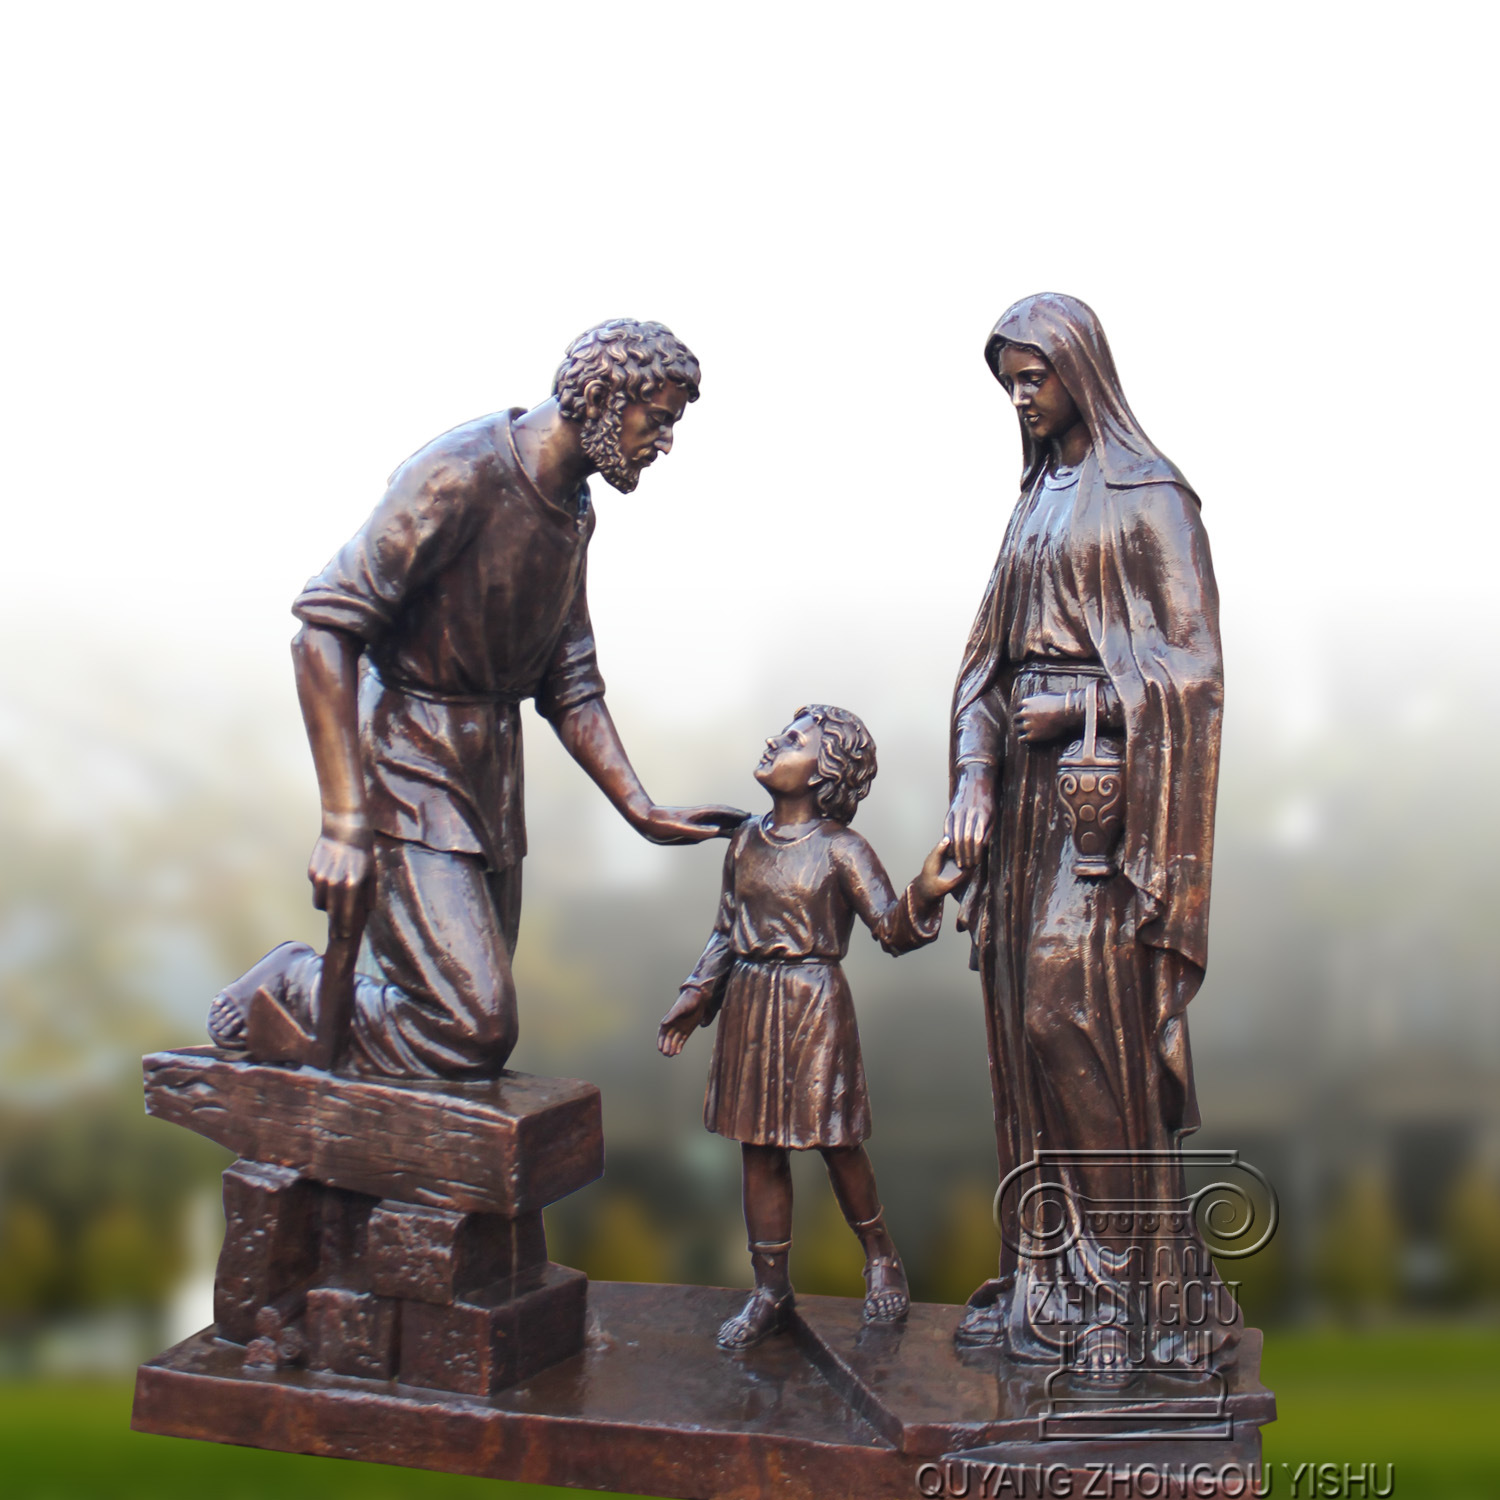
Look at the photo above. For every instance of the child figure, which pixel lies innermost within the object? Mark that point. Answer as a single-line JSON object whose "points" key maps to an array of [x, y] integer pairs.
{"points": [[787, 1073]]}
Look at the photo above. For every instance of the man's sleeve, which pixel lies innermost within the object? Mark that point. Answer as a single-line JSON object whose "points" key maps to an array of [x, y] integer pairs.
{"points": [[573, 675], [413, 533]]}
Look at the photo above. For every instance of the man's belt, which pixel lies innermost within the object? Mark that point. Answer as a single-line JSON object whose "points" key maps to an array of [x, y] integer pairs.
{"points": [[410, 689], [789, 960]]}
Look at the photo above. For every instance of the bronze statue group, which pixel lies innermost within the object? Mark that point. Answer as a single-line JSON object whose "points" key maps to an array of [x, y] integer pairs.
{"points": [[464, 594]]}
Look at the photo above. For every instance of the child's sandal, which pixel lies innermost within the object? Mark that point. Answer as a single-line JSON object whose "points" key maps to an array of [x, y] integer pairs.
{"points": [[887, 1299], [758, 1319]]}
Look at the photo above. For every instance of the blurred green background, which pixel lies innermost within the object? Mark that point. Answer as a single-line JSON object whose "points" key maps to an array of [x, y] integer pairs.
{"points": [[262, 252], [1362, 1082]]}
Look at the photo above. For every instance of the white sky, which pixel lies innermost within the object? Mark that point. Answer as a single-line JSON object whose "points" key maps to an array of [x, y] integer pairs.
{"points": [[257, 254]]}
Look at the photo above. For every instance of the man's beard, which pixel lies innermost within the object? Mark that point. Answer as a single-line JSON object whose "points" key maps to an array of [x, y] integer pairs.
{"points": [[600, 437]]}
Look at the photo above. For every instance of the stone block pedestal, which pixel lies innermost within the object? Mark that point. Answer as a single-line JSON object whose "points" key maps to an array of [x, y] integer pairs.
{"points": [[495, 1337], [650, 1406], [385, 1294], [378, 1229], [352, 1333]]}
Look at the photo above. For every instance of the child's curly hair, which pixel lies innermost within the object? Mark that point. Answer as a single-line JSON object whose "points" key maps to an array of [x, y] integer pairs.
{"points": [[846, 760]]}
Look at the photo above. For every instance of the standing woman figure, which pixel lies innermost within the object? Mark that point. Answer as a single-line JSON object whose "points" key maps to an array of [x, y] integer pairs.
{"points": [[1103, 589]]}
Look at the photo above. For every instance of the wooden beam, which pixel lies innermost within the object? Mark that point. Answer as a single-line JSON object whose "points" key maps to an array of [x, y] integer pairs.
{"points": [[508, 1145]]}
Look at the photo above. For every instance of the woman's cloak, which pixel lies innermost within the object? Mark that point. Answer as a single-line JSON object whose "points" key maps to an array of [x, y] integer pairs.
{"points": [[1152, 616]]}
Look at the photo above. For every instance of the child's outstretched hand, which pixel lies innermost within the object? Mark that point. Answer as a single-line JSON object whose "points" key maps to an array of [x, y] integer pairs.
{"points": [[680, 1022], [940, 873]]}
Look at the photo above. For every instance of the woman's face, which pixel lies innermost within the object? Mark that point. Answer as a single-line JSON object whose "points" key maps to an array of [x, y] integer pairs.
{"points": [[1041, 400], [790, 762]]}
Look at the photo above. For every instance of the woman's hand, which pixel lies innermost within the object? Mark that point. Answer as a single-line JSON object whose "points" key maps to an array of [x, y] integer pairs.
{"points": [[940, 874], [681, 1021], [967, 830], [1043, 717]]}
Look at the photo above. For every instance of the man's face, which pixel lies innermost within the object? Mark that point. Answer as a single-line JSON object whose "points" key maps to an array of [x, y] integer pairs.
{"points": [[1041, 400], [625, 436], [646, 428]]}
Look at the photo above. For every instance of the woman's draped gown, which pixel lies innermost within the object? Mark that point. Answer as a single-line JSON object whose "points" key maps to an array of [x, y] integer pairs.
{"points": [[1102, 584]]}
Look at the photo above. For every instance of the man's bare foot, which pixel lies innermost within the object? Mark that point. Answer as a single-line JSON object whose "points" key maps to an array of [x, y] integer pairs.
{"points": [[760, 1317], [230, 1010], [887, 1299]]}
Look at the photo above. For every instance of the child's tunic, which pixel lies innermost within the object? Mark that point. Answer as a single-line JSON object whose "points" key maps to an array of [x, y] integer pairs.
{"points": [[787, 1069]]}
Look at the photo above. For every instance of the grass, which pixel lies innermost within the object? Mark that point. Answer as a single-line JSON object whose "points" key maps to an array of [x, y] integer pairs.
{"points": [[1425, 1399]]}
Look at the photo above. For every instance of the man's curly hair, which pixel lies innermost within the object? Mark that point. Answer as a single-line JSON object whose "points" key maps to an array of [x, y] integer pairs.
{"points": [[633, 359], [846, 760]]}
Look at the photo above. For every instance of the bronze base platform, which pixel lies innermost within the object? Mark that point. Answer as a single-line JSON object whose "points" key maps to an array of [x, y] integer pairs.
{"points": [[651, 1406]]}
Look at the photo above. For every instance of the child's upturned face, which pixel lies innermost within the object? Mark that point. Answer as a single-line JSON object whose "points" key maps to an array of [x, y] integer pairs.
{"points": [[790, 763]]}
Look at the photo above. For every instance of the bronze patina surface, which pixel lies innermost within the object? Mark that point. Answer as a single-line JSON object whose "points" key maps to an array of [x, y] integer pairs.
{"points": [[787, 1073], [462, 596], [384, 1290], [502, 1145], [1095, 658], [389, 1229], [650, 1406]]}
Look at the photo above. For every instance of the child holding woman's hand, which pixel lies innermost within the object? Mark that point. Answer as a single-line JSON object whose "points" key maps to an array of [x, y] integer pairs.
{"points": [[787, 1073]]}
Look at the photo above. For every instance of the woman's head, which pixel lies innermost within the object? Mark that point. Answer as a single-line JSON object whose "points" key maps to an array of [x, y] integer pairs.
{"points": [[1066, 335], [825, 750], [1065, 331]]}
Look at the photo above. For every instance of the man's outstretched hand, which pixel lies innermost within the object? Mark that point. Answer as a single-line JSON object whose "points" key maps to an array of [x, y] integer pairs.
{"points": [[589, 736], [687, 825]]}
